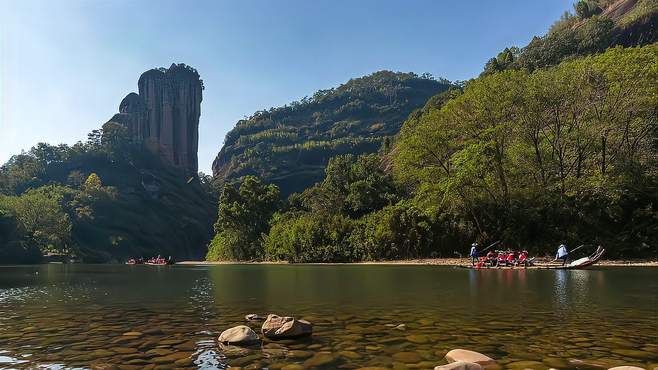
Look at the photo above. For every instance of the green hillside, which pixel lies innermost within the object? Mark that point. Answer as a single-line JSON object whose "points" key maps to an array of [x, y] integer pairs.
{"points": [[103, 200], [594, 26], [291, 145]]}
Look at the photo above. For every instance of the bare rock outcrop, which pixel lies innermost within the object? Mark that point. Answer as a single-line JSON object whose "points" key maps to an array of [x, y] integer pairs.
{"points": [[164, 115]]}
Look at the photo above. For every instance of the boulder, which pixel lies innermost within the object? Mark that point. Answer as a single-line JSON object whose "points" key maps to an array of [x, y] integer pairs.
{"points": [[240, 334], [465, 355], [276, 327], [459, 365]]}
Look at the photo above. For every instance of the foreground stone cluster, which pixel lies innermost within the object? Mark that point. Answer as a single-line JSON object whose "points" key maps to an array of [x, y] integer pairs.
{"points": [[274, 327], [133, 338], [283, 327]]}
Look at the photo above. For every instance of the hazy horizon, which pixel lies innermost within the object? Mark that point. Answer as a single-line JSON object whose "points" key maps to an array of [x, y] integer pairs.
{"points": [[64, 67]]}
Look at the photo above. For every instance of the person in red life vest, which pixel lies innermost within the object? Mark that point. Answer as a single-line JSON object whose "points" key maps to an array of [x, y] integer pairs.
{"points": [[501, 258], [510, 259], [523, 259], [490, 259]]}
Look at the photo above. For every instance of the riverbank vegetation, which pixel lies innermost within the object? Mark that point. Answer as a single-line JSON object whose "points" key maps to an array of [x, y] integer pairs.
{"points": [[103, 200], [560, 154]]}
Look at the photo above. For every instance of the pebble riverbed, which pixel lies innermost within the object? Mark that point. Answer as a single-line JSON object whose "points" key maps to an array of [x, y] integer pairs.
{"points": [[65, 326]]}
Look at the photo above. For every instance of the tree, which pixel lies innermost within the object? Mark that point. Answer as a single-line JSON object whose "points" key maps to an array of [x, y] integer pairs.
{"points": [[244, 213], [353, 186], [582, 9], [311, 237], [116, 139], [394, 232], [41, 218], [93, 182]]}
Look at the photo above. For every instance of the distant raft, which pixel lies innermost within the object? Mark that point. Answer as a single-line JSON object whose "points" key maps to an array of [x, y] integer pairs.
{"points": [[579, 264]]}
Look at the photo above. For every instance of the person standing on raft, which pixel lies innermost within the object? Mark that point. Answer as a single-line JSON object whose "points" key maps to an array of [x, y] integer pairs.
{"points": [[562, 254], [474, 254]]}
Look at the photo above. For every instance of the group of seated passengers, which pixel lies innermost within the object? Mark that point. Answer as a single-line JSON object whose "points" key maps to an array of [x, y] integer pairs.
{"points": [[504, 258]]}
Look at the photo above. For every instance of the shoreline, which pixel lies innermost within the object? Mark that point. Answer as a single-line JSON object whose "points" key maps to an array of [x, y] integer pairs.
{"points": [[454, 262]]}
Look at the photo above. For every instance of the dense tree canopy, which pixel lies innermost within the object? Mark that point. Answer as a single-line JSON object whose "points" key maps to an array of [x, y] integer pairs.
{"points": [[244, 213], [576, 136], [99, 201], [290, 146], [591, 30]]}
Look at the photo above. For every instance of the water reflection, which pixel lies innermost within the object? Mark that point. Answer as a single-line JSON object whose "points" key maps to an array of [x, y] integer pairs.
{"points": [[571, 288]]}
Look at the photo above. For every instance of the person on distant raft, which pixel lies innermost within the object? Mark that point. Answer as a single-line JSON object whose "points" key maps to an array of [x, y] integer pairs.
{"points": [[474, 253], [562, 254]]}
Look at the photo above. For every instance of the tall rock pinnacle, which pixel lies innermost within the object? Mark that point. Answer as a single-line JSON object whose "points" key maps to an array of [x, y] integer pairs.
{"points": [[164, 116]]}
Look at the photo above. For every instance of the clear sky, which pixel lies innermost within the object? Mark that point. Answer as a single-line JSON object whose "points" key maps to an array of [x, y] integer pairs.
{"points": [[65, 65]]}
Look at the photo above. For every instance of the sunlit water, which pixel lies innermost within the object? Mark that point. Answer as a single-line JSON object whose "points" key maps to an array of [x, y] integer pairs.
{"points": [[140, 317]]}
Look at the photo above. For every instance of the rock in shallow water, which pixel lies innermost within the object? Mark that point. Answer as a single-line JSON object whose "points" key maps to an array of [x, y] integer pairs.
{"points": [[469, 356], [276, 327], [254, 317], [407, 357], [459, 365], [240, 334], [319, 359]]}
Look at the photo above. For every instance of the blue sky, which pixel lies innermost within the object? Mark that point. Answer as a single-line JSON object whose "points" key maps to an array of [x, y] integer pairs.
{"points": [[65, 65]]}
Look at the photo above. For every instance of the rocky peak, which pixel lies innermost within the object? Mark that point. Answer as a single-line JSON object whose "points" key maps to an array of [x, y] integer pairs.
{"points": [[164, 115], [132, 103]]}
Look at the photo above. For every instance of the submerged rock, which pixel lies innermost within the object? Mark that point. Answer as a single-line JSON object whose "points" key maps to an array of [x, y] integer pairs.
{"points": [[465, 355], [320, 359], [254, 317], [407, 357], [459, 365], [240, 334], [285, 327]]}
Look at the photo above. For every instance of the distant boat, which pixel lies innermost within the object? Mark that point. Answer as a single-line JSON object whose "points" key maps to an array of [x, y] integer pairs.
{"points": [[159, 261]]}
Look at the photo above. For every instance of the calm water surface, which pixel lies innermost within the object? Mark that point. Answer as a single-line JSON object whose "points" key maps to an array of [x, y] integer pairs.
{"points": [[140, 317]]}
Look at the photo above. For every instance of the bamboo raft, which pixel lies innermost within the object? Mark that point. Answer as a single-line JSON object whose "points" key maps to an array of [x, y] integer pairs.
{"points": [[579, 264]]}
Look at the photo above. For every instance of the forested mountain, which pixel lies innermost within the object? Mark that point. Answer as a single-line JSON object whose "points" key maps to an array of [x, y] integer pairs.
{"points": [[595, 26], [291, 145]]}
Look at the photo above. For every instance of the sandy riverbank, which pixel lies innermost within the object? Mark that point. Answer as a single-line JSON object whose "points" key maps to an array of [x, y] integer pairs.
{"points": [[426, 261]]}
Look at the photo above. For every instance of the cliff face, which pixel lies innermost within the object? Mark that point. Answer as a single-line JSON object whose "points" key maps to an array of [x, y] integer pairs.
{"points": [[164, 116]]}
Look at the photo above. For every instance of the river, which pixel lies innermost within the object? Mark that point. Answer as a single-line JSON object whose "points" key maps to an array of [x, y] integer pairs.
{"points": [[116, 316]]}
